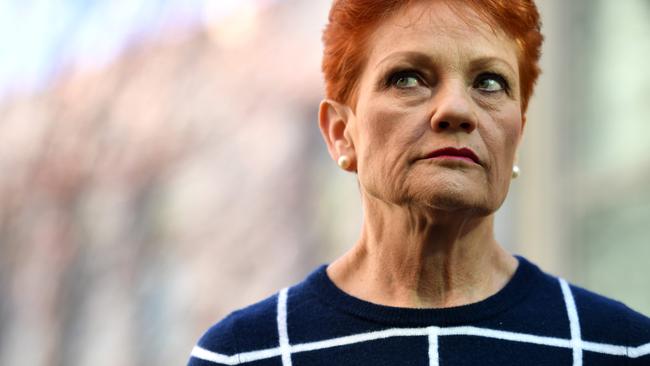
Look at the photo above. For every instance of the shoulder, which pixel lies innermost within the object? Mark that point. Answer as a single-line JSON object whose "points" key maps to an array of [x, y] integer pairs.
{"points": [[609, 321], [254, 332], [601, 319], [603, 326], [231, 334], [243, 335]]}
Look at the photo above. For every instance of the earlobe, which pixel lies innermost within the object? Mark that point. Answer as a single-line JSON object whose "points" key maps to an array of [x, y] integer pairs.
{"points": [[334, 119]]}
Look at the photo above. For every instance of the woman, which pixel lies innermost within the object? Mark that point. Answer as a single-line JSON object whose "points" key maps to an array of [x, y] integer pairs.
{"points": [[426, 104]]}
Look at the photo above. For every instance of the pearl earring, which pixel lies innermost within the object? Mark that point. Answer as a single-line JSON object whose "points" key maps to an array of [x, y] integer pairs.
{"points": [[344, 162], [515, 171]]}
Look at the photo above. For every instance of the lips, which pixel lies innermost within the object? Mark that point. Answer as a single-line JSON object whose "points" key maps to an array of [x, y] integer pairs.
{"points": [[453, 152]]}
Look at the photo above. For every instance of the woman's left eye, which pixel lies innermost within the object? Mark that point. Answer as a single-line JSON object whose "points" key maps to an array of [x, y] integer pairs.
{"points": [[491, 83], [404, 79]]}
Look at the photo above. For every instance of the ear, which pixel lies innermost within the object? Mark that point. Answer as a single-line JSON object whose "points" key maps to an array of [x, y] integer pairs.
{"points": [[334, 122], [521, 136], [521, 131]]}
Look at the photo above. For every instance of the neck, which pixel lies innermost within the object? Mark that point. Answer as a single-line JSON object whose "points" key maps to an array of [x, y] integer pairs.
{"points": [[420, 258]]}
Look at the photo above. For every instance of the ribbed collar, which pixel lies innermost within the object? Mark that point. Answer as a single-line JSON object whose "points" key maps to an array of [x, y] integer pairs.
{"points": [[522, 282]]}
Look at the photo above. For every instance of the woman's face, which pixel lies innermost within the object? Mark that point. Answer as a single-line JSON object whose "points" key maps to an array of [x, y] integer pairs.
{"points": [[434, 80]]}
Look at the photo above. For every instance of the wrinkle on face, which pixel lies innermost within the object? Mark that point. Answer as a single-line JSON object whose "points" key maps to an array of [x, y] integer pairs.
{"points": [[428, 224], [393, 132]]}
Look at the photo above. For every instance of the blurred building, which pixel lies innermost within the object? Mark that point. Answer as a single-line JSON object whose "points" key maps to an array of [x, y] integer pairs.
{"points": [[585, 198], [141, 202]]}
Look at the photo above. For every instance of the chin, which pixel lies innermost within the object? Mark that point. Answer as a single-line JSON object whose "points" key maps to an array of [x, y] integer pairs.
{"points": [[455, 204], [454, 198]]}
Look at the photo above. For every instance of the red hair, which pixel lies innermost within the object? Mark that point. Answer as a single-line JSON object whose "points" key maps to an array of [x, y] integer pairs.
{"points": [[351, 22]]}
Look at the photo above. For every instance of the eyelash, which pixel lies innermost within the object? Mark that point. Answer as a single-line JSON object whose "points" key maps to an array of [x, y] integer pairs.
{"points": [[495, 76], [394, 76]]}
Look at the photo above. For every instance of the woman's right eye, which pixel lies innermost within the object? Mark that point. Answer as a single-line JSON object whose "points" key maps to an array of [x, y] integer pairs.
{"points": [[405, 80]]}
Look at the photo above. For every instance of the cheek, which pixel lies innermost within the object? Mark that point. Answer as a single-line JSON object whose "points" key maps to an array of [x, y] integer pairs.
{"points": [[513, 124], [502, 140], [387, 136], [388, 130]]}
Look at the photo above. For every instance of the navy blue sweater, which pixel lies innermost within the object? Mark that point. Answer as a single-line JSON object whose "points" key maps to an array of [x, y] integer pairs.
{"points": [[536, 319]]}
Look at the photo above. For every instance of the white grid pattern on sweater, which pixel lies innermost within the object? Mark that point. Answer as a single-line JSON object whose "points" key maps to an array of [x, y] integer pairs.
{"points": [[283, 334], [285, 349], [574, 322]]}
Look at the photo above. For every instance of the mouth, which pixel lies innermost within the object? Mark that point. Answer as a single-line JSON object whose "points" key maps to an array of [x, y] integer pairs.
{"points": [[454, 153]]}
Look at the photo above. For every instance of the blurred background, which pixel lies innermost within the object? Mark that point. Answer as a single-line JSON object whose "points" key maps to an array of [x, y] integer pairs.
{"points": [[161, 165]]}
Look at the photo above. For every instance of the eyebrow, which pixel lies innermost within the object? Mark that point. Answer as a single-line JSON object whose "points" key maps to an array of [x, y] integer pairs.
{"points": [[425, 60], [418, 58], [486, 62]]}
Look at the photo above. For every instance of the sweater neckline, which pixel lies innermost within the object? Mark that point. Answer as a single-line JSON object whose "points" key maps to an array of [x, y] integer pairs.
{"points": [[520, 284]]}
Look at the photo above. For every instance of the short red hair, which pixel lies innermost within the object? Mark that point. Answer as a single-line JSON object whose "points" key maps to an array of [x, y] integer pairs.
{"points": [[351, 22]]}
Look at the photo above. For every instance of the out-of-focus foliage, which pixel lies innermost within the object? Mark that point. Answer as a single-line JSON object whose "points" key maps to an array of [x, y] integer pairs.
{"points": [[141, 201]]}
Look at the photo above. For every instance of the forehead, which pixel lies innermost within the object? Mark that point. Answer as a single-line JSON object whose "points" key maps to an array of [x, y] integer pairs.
{"points": [[449, 34]]}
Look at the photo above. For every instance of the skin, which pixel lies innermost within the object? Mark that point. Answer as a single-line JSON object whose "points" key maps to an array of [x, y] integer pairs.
{"points": [[432, 80]]}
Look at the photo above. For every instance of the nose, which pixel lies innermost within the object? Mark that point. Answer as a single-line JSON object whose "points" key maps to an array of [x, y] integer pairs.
{"points": [[453, 110]]}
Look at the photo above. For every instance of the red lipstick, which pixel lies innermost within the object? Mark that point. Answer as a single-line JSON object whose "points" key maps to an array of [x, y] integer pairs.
{"points": [[454, 153]]}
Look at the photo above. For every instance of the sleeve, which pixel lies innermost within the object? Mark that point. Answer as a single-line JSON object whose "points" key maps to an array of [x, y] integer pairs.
{"points": [[639, 341], [217, 346]]}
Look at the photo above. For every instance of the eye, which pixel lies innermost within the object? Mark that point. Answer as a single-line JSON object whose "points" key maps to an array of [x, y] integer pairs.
{"points": [[405, 79], [491, 83]]}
